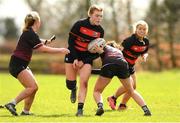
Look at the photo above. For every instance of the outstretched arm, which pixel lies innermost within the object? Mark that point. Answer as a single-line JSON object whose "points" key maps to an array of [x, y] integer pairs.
{"points": [[48, 49]]}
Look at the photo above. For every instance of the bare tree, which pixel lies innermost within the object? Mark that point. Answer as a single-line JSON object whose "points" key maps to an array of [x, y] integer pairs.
{"points": [[88, 4], [155, 21], [115, 22], [35, 4], [129, 15], [172, 10]]}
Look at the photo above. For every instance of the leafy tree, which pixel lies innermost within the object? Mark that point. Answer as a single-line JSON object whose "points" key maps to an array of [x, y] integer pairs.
{"points": [[155, 22], [172, 16], [163, 18], [11, 30]]}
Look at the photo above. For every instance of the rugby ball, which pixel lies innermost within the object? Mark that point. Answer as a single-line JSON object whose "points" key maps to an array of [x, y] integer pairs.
{"points": [[100, 42]]}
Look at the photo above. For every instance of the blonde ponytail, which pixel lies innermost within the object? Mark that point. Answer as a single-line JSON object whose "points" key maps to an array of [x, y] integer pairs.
{"points": [[30, 19]]}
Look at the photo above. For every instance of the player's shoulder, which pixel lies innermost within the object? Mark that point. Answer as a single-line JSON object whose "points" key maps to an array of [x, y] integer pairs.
{"points": [[101, 28], [82, 21], [77, 24], [28, 32], [130, 38]]}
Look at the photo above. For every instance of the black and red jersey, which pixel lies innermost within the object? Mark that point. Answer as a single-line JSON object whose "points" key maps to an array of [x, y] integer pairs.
{"points": [[80, 35], [28, 41], [111, 55], [133, 48]]}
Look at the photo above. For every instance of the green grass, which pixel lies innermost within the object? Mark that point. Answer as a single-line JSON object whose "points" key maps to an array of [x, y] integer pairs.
{"points": [[161, 91]]}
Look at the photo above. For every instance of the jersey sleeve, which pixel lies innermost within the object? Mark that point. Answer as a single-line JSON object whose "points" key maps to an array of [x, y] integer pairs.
{"points": [[102, 33], [147, 44], [127, 43], [35, 41]]}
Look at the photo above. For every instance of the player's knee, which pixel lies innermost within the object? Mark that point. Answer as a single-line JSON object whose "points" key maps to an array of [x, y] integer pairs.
{"points": [[31, 90], [131, 92], [71, 84], [34, 89], [97, 90]]}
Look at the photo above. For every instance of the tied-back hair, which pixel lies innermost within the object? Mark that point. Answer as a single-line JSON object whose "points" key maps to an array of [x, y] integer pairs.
{"points": [[113, 44], [93, 8], [30, 19]]}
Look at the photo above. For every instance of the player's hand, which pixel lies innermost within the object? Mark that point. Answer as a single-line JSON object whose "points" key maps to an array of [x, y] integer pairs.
{"points": [[80, 64], [76, 64], [144, 57], [99, 49], [64, 50]]}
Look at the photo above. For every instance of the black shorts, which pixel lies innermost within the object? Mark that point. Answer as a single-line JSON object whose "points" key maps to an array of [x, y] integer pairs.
{"points": [[70, 59], [110, 70], [131, 69], [16, 65]]}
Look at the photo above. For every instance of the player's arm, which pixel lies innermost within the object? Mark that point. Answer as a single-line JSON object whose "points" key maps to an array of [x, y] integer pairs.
{"points": [[127, 43], [145, 53], [144, 57], [72, 38]]}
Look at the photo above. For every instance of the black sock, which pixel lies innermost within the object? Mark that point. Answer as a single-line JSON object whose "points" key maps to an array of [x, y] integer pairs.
{"points": [[122, 105], [145, 108], [80, 105], [100, 105], [114, 97]]}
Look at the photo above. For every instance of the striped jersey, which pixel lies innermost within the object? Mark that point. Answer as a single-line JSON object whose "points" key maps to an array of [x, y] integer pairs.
{"points": [[133, 48], [81, 34]]}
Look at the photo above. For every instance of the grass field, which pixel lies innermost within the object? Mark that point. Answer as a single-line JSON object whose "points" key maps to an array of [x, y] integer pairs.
{"points": [[160, 90]]}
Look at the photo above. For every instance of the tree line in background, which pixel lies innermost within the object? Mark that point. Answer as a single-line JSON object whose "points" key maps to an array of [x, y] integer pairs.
{"points": [[163, 18]]}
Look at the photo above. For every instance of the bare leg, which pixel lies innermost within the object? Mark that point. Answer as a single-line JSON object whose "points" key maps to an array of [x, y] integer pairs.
{"points": [[126, 96], [71, 73], [133, 93], [84, 74], [28, 81], [101, 83], [29, 100]]}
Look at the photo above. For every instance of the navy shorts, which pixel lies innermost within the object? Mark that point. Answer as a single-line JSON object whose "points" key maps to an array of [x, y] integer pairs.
{"points": [[17, 65], [111, 70], [131, 69], [70, 59]]}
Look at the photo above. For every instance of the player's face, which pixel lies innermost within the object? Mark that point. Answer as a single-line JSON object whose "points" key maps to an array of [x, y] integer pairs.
{"points": [[96, 17], [141, 31], [38, 24]]}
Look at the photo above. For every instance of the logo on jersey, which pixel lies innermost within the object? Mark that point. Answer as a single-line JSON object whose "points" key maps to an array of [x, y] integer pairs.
{"points": [[138, 48], [89, 32], [66, 59]]}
